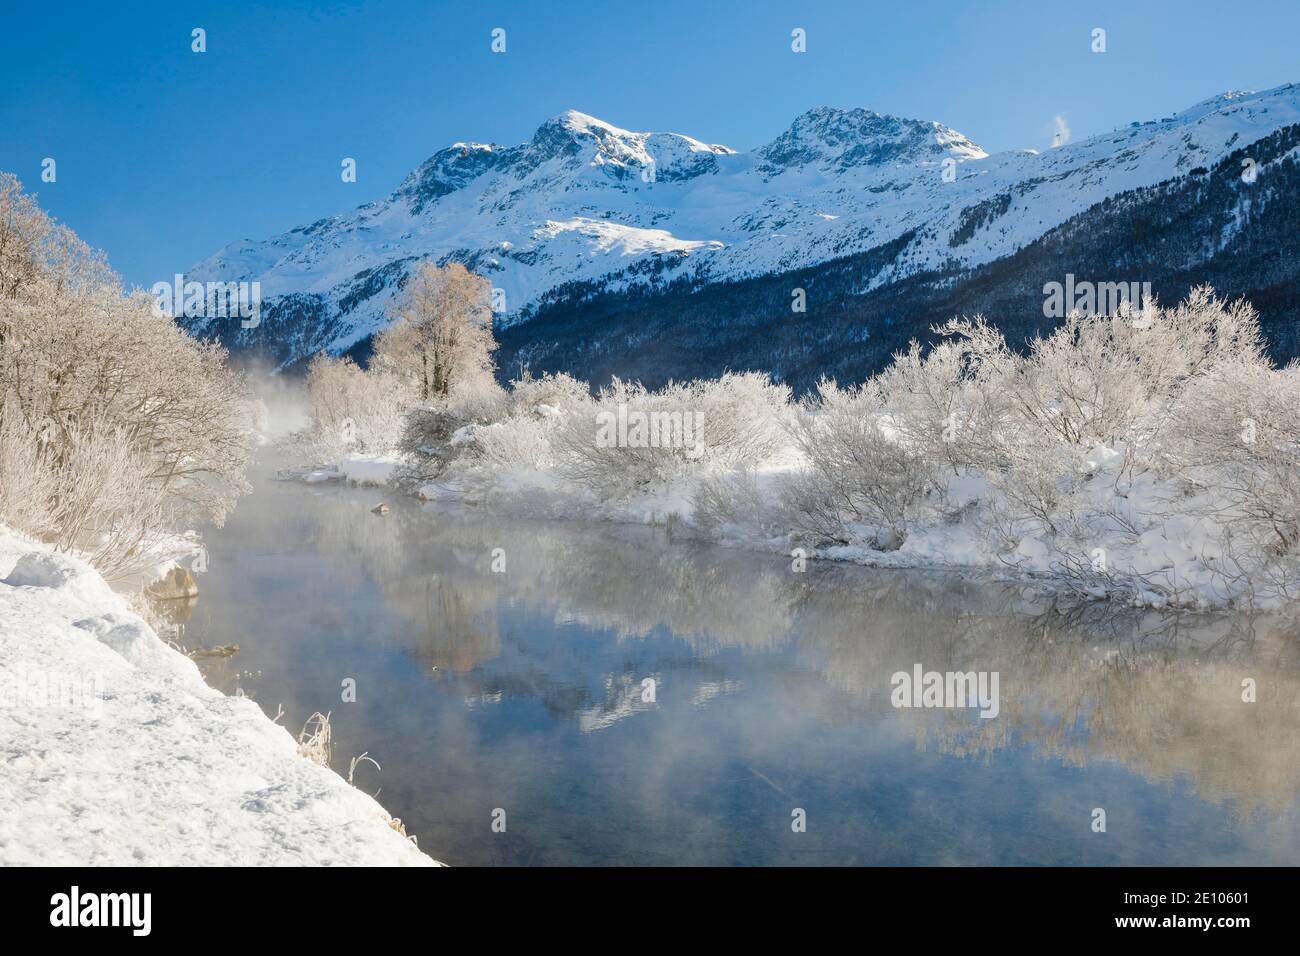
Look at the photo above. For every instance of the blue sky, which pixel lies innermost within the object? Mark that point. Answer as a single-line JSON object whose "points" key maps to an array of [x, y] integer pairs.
{"points": [[164, 155]]}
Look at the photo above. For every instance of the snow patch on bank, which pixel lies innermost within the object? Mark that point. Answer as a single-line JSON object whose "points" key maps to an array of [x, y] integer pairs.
{"points": [[1165, 561], [377, 470], [116, 752], [369, 469]]}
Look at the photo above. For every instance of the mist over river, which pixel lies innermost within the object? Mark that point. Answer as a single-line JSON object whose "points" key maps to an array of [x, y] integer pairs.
{"points": [[524, 690]]}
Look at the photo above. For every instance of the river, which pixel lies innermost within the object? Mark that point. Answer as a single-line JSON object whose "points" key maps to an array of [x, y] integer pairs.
{"points": [[554, 693]]}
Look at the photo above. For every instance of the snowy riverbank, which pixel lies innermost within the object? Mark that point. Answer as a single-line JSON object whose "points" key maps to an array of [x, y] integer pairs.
{"points": [[1147, 457], [1168, 561], [117, 753]]}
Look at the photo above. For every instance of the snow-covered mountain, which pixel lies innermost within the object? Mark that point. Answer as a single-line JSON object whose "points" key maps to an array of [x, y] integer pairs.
{"points": [[586, 209]]}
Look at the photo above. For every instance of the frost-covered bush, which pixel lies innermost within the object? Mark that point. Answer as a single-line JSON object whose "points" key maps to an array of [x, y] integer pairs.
{"points": [[117, 428], [743, 418], [923, 394], [1013, 419], [497, 429], [478, 399], [1032, 422], [519, 442], [629, 438], [426, 444], [557, 391], [100, 496], [734, 501], [814, 511], [1233, 447], [1160, 443], [1150, 451], [439, 432], [26, 493], [355, 410], [863, 470]]}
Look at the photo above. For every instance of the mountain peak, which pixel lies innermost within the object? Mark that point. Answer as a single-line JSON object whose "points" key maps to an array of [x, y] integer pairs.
{"points": [[572, 133], [574, 124], [446, 171], [585, 210], [843, 138], [580, 122], [584, 141]]}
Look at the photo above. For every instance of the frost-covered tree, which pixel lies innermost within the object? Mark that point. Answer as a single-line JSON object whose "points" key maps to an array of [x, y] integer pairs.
{"points": [[118, 428], [36, 249], [441, 334]]}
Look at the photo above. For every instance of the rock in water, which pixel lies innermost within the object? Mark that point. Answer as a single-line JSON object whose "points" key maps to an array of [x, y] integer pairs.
{"points": [[178, 585], [379, 509], [221, 650]]}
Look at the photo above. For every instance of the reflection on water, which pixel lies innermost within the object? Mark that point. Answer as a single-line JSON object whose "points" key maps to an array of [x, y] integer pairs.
{"points": [[523, 690]]}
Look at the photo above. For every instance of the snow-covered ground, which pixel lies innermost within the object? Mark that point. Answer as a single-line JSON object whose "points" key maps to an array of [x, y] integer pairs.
{"points": [[369, 469], [1152, 562], [116, 752], [358, 469], [1127, 543]]}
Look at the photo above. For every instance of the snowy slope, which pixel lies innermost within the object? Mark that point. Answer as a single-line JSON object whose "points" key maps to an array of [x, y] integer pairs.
{"points": [[588, 203], [116, 752]]}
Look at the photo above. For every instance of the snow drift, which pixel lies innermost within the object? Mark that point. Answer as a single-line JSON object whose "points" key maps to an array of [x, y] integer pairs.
{"points": [[117, 753]]}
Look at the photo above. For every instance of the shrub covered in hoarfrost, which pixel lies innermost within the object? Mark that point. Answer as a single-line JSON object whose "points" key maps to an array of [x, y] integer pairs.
{"points": [[116, 428], [862, 470], [1151, 453], [354, 410], [1232, 448], [438, 432], [629, 438], [551, 394]]}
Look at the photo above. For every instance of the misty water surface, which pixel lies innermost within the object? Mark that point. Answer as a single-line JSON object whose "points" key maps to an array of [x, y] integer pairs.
{"points": [[522, 691]]}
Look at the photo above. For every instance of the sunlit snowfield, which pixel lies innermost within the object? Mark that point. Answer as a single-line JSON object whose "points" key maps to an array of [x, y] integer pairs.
{"points": [[522, 691]]}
